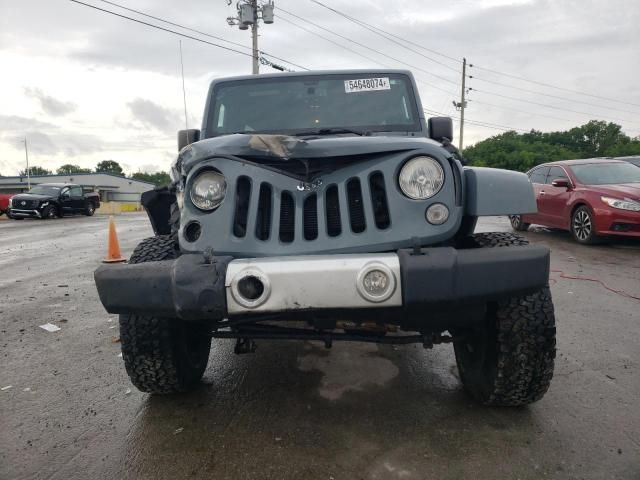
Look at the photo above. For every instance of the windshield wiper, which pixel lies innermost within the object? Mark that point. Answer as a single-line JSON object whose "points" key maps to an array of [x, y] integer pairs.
{"points": [[330, 131]]}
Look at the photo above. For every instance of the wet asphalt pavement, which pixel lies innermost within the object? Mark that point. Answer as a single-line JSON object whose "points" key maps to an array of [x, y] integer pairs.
{"points": [[296, 410]]}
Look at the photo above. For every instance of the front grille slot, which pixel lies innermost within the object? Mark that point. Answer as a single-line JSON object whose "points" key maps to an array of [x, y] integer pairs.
{"points": [[356, 207], [243, 195], [310, 217], [379, 201], [28, 204], [332, 210], [287, 217], [263, 216]]}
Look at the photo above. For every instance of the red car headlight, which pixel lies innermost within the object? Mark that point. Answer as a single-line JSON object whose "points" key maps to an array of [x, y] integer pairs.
{"points": [[622, 204]]}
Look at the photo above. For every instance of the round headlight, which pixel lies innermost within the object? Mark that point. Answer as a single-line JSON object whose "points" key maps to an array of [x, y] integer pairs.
{"points": [[421, 178], [208, 190]]}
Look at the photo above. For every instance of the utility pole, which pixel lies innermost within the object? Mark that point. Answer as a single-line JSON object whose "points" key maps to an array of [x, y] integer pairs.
{"points": [[255, 70], [250, 12], [26, 154], [462, 104]]}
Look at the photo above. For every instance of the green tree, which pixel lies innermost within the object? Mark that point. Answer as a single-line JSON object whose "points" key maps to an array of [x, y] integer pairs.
{"points": [[595, 138], [35, 170], [109, 166], [159, 179], [68, 169], [523, 151]]}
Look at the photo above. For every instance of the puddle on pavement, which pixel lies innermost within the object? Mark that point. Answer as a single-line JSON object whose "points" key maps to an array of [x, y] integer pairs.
{"points": [[348, 369]]}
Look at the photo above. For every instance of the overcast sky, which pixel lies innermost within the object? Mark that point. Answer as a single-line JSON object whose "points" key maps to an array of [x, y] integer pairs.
{"points": [[85, 86]]}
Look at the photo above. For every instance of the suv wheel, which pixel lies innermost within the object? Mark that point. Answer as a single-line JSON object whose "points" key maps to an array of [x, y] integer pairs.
{"points": [[90, 210], [50, 211], [583, 226], [518, 224], [508, 360], [162, 355]]}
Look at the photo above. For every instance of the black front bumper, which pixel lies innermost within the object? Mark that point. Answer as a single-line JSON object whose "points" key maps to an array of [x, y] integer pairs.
{"points": [[442, 281], [25, 213]]}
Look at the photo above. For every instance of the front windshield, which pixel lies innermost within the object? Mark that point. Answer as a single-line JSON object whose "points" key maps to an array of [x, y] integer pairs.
{"points": [[45, 190], [606, 173], [290, 105]]}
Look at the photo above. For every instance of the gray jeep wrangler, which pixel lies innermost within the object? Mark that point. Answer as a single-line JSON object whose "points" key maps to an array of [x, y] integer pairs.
{"points": [[323, 206]]}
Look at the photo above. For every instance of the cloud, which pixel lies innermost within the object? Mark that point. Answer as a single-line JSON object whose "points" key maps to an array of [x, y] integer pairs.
{"points": [[153, 115], [51, 105], [15, 123]]}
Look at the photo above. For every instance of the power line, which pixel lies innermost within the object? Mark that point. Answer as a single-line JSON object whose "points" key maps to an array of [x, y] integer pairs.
{"points": [[332, 41], [548, 106], [368, 48], [386, 36], [263, 52], [478, 123], [526, 112], [377, 62], [516, 77], [577, 92], [549, 95], [175, 24], [161, 28], [349, 17]]}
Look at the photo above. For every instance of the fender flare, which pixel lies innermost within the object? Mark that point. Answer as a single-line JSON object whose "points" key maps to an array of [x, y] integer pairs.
{"points": [[493, 191]]}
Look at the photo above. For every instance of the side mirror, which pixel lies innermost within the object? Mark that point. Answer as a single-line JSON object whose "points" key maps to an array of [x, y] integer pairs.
{"points": [[440, 128], [187, 137], [561, 182]]}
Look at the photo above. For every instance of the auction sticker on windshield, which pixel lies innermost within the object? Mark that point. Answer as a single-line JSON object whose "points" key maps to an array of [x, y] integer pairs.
{"points": [[367, 84]]}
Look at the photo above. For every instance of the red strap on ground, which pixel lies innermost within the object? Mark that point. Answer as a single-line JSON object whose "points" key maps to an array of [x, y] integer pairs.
{"points": [[595, 280]]}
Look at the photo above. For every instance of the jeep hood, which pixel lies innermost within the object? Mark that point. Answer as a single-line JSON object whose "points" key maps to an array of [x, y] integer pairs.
{"points": [[283, 148]]}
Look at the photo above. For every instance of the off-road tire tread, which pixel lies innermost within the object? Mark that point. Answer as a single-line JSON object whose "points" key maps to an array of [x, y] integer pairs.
{"points": [[174, 219], [526, 336], [527, 345], [498, 239], [148, 348]]}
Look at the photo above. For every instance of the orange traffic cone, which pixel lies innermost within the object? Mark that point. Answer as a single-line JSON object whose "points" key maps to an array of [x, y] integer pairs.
{"points": [[113, 248]]}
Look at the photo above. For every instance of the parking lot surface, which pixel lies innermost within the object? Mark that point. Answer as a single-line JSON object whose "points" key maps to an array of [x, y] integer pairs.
{"points": [[296, 410]]}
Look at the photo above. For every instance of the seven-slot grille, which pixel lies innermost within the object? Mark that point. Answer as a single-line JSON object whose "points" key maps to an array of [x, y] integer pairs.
{"points": [[325, 212]]}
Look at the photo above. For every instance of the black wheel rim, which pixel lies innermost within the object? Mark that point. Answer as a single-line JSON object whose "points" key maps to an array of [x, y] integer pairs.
{"points": [[582, 225]]}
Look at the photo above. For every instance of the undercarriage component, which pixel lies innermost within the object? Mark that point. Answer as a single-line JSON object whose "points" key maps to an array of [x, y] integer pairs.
{"points": [[247, 335]]}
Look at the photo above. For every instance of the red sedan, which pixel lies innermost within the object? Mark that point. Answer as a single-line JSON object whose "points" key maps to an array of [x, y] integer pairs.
{"points": [[590, 198]]}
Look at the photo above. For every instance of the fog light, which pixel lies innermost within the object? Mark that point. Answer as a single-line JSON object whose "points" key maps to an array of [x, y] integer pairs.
{"points": [[250, 288], [437, 214], [376, 282]]}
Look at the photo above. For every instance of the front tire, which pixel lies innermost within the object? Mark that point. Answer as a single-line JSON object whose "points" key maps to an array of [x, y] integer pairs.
{"points": [[583, 226], [518, 224], [90, 210], [508, 360], [49, 212], [163, 355]]}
